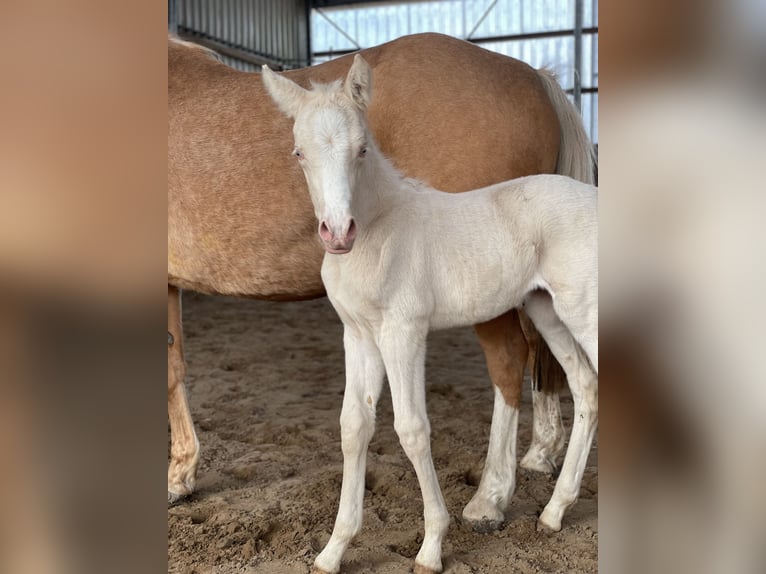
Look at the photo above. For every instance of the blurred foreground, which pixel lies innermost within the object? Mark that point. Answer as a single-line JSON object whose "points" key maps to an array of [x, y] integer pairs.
{"points": [[683, 431]]}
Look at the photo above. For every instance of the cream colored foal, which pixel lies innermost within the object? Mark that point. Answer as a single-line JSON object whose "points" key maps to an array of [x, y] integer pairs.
{"points": [[403, 259]]}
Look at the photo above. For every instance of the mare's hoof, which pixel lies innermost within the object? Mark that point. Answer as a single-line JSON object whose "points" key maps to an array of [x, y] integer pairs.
{"points": [[536, 462], [174, 498]]}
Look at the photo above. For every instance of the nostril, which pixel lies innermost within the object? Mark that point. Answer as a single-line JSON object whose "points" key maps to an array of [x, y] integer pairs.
{"points": [[351, 233], [324, 231]]}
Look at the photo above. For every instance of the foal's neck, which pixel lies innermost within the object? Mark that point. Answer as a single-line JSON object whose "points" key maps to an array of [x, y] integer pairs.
{"points": [[379, 184]]}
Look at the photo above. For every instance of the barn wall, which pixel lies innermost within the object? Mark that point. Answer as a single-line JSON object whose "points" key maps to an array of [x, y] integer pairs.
{"points": [[247, 33]]}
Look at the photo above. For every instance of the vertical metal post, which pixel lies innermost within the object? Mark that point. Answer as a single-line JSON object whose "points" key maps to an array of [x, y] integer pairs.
{"points": [[577, 91], [309, 54], [172, 17]]}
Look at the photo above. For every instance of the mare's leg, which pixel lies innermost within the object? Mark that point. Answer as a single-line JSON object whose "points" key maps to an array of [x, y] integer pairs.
{"points": [[548, 379], [404, 352], [364, 380], [184, 446], [583, 383], [505, 349]]}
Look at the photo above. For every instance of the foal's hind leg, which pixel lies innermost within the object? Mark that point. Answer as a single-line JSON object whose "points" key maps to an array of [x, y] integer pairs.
{"points": [[184, 446], [584, 386], [548, 379], [505, 349]]}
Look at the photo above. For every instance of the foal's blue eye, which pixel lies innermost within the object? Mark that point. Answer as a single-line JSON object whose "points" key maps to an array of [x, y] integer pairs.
{"points": [[298, 153], [363, 151]]}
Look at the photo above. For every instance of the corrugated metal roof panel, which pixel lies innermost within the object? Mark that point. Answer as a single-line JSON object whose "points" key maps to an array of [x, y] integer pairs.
{"points": [[274, 28]]}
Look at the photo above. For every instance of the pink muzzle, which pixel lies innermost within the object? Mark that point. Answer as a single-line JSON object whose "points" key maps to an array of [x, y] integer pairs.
{"points": [[339, 240]]}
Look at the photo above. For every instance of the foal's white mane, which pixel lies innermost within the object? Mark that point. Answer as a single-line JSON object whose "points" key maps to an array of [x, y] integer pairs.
{"points": [[328, 88]]}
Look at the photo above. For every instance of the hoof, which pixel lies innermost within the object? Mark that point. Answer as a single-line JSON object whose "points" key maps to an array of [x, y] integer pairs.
{"points": [[483, 516], [550, 518], [316, 569], [485, 525], [178, 490], [174, 498], [420, 569], [536, 462], [546, 528]]}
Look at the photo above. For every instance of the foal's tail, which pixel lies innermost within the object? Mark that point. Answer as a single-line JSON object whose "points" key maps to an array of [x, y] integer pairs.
{"points": [[576, 160]]}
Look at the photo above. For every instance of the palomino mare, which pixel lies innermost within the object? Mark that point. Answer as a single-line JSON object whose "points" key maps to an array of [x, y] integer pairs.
{"points": [[404, 259], [241, 223]]}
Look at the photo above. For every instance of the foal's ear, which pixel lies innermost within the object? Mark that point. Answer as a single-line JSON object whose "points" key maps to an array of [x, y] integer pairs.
{"points": [[358, 85], [287, 94]]}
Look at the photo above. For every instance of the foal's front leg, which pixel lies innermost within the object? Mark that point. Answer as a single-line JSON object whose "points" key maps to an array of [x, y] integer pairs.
{"points": [[364, 380], [404, 353]]}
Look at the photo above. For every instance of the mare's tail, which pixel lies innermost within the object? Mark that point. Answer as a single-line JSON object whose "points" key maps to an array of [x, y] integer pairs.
{"points": [[576, 160]]}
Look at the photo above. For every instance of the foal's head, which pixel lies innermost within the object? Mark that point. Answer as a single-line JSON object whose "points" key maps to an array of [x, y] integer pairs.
{"points": [[331, 141]]}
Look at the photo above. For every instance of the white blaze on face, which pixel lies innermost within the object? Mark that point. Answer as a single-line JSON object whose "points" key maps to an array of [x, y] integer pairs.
{"points": [[326, 141]]}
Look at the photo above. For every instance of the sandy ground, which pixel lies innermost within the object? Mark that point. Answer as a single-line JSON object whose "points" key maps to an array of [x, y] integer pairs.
{"points": [[266, 382]]}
